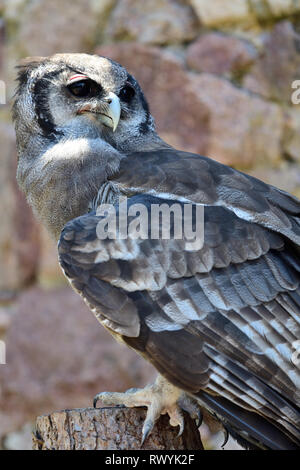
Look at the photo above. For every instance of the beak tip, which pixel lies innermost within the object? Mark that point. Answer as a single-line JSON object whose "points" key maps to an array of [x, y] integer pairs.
{"points": [[115, 110]]}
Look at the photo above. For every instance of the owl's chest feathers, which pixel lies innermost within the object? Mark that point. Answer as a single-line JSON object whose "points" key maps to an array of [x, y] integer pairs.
{"points": [[63, 181]]}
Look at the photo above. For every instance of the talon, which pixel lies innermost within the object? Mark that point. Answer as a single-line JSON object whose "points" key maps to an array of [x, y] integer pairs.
{"points": [[199, 419], [147, 428], [95, 401], [181, 429], [99, 396], [159, 398], [226, 437]]}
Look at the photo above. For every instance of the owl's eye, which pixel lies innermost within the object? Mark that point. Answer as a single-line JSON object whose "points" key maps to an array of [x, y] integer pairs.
{"points": [[127, 93], [83, 88]]}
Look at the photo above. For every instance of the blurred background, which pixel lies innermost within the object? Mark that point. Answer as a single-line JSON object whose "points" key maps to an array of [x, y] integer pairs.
{"points": [[218, 75]]}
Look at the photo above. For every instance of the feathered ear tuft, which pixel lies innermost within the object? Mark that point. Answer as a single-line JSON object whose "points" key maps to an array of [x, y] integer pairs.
{"points": [[24, 69], [26, 66], [31, 62]]}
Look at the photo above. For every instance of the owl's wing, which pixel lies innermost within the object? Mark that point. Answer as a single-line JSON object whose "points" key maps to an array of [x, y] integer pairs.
{"points": [[184, 176], [221, 322]]}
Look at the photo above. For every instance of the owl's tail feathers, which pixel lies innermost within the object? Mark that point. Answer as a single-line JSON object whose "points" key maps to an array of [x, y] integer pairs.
{"points": [[251, 430]]}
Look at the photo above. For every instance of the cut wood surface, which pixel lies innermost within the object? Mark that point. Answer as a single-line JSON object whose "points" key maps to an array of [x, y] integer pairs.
{"points": [[115, 428]]}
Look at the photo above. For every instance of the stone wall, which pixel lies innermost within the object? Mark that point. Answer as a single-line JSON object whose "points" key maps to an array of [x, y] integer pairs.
{"points": [[218, 75]]}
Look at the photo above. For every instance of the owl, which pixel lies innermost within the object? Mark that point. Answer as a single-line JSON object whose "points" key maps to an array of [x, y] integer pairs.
{"points": [[219, 320]]}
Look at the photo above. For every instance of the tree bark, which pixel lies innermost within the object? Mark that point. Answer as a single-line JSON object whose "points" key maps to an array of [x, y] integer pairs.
{"points": [[113, 428]]}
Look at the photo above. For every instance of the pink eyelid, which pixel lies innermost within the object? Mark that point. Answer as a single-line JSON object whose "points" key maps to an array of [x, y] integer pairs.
{"points": [[77, 77]]}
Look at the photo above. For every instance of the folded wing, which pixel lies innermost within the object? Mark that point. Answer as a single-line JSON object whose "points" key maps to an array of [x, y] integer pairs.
{"points": [[221, 322]]}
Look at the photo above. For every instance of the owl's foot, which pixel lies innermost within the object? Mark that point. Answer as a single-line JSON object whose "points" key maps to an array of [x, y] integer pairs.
{"points": [[160, 398]]}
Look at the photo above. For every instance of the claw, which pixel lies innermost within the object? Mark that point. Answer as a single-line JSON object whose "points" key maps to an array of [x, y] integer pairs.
{"points": [[226, 437], [192, 408], [147, 428], [95, 401], [181, 429], [199, 419], [108, 399], [159, 398]]}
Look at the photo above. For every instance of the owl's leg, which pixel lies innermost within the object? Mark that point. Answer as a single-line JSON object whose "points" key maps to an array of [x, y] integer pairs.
{"points": [[161, 397]]}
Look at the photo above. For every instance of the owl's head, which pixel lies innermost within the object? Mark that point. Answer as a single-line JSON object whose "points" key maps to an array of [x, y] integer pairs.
{"points": [[79, 95]]}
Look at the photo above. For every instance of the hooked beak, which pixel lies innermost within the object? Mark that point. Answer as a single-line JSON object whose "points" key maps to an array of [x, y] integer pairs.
{"points": [[111, 114], [108, 112]]}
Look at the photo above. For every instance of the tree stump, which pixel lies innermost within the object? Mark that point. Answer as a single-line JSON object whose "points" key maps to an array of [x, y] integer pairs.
{"points": [[115, 428]]}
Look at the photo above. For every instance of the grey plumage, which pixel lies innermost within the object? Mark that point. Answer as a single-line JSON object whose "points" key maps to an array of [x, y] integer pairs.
{"points": [[219, 322]]}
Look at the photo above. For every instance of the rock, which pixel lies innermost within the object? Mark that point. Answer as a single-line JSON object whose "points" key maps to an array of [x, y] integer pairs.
{"points": [[222, 12], [63, 27], [58, 357], [19, 245], [49, 272], [220, 54], [286, 177], [278, 66], [243, 129], [7, 296], [152, 22], [166, 85], [2, 39], [203, 113], [3, 92], [5, 320], [242, 12], [21, 439], [291, 139], [266, 9], [12, 10]]}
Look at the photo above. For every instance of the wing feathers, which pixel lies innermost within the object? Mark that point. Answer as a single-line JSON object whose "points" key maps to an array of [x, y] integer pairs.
{"points": [[222, 319]]}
